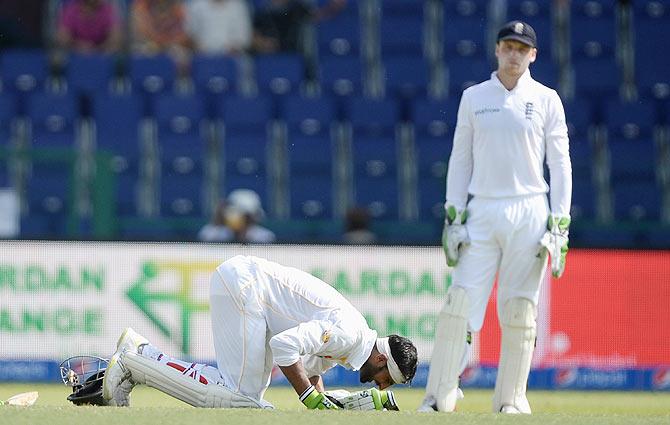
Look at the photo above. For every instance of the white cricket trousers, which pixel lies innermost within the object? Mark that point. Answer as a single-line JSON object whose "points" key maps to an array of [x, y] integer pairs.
{"points": [[505, 238], [243, 355]]}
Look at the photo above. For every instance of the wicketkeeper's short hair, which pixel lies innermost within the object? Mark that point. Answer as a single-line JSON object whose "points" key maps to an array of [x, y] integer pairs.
{"points": [[404, 354]]}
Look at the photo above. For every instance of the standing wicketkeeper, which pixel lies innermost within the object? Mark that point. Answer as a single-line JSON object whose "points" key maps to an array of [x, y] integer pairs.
{"points": [[506, 128]]}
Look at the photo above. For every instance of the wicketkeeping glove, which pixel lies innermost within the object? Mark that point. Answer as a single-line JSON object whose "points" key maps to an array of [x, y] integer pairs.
{"points": [[372, 399], [315, 400], [555, 240], [454, 233]]}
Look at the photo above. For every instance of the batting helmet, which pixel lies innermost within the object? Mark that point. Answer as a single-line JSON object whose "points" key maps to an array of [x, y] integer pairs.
{"points": [[84, 374]]}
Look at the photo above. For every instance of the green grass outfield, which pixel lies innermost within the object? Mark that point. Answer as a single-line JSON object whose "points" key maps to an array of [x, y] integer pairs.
{"points": [[151, 407]]}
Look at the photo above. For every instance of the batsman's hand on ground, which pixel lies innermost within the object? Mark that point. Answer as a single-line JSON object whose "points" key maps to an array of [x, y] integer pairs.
{"points": [[454, 233], [372, 399], [315, 400], [555, 241]]}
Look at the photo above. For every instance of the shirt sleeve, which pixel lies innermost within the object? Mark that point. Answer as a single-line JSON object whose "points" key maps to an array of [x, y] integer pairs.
{"points": [[242, 29], [314, 338], [558, 158], [459, 172], [316, 366]]}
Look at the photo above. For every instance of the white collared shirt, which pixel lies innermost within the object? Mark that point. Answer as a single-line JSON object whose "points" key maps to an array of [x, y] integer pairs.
{"points": [[306, 318], [501, 140]]}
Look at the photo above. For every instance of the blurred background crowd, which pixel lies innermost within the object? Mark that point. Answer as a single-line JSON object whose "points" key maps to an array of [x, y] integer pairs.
{"points": [[309, 121]]}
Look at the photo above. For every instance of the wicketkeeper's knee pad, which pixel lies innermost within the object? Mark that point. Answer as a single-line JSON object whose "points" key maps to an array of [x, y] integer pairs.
{"points": [[519, 330], [446, 363]]}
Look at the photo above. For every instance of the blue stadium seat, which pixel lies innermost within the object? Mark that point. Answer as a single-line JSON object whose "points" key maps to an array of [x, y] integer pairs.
{"points": [[633, 165], [179, 120], [632, 159], [7, 115], [310, 153], [182, 187], [465, 72], [593, 37], [596, 76], [245, 143], [214, 75], [630, 120], [650, 66], [406, 76], [457, 10], [581, 157], [152, 75], [579, 115], [90, 74], [465, 36], [339, 36], [434, 123], [374, 155], [583, 198], [280, 74], [545, 71], [341, 76], [594, 9], [401, 35], [402, 8], [24, 71], [53, 119], [118, 131], [49, 195], [638, 200]]}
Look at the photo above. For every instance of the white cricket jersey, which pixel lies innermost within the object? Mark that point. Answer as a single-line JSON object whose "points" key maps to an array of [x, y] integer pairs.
{"points": [[305, 316], [501, 140]]}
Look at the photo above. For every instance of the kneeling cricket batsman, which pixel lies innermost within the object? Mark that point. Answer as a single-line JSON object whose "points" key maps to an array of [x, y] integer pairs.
{"points": [[264, 313]]}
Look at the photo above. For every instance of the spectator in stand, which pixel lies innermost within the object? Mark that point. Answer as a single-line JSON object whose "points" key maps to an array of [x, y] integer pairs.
{"points": [[279, 24], [89, 26], [219, 26], [357, 227], [159, 26], [237, 220]]}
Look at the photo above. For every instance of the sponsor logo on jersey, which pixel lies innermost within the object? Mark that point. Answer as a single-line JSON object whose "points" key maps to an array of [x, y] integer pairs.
{"points": [[487, 111]]}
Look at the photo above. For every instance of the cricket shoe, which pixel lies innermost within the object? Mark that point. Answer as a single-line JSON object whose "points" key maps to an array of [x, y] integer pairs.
{"points": [[117, 382], [511, 410], [130, 341], [429, 404]]}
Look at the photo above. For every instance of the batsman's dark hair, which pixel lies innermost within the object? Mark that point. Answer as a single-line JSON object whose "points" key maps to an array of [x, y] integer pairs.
{"points": [[404, 354]]}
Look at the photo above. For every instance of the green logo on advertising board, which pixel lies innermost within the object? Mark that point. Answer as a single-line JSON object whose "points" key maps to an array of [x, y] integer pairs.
{"points": [[145, 298]]}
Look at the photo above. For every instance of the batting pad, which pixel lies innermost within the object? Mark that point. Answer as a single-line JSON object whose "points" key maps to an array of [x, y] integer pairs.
{"points": [[516, 352], [449, 349], [170, 381]]}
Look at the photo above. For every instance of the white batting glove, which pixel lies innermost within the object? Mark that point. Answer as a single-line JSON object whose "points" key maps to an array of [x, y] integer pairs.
{"points": [[454, 234], [555, 241], [372, 399]]}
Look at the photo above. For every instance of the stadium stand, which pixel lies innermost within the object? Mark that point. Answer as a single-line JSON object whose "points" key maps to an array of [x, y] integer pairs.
{"points": [[372, 127]]}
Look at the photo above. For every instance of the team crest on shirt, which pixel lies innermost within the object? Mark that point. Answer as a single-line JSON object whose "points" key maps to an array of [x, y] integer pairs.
{"points": [[325, 336], [529, 110]]}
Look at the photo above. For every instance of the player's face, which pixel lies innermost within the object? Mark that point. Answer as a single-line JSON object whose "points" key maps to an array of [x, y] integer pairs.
{"points": [[514, 57], [377, 373]]}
